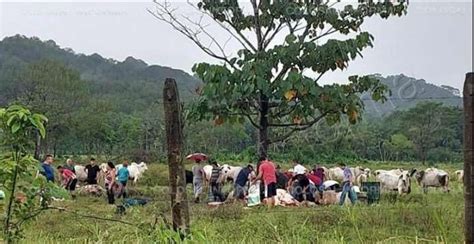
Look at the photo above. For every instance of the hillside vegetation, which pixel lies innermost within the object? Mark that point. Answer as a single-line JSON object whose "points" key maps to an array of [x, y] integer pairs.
{"points": [[100, 106]]}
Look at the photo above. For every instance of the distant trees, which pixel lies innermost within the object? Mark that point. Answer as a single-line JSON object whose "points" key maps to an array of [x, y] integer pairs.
{"points": [[91, 113], [431, 125], [54, 90]]}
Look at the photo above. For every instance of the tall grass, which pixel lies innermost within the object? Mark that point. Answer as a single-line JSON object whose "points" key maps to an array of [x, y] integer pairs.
{"points": [[435, 217]]}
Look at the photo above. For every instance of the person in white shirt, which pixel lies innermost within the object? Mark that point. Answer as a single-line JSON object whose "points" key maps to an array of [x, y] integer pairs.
{"points": [[298, 169]]}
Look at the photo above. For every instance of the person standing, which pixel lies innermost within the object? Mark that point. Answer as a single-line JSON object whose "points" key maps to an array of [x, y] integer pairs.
{"points": [[92, 170], [70, 165], [69, 180], [47, 169], [347, 182], [240, 185], [198, 178], [110, 182], [267, 173], [122, 178], [215, 182]]}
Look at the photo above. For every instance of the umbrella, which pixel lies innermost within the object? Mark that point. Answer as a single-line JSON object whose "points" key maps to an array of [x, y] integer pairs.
{"points": [[197, 156]]}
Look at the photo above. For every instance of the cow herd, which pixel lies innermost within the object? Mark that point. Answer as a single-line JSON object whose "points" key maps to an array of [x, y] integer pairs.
{"points": [[135, 171], [395, 180], [398, 180]]}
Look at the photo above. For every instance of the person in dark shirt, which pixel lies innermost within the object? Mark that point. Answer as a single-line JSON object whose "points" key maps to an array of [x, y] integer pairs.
{"points": [[92, 170], [300, 188], [47, 169], [282, 179], [241, 182]]}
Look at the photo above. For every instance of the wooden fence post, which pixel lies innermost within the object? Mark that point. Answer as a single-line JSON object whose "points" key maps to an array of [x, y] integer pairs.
{"points": [[468, 158], [174, 139]]}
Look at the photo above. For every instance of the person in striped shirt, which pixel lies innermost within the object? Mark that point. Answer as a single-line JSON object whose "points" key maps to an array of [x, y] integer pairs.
{"points": [[216, 183]]}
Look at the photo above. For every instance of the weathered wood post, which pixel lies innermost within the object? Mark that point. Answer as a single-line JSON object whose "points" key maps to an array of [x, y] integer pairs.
{"points": [[468, 158], [174, 139]]}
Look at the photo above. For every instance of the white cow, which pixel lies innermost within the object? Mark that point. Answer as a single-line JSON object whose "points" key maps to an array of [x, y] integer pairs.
{"points": [[460, 175], [103, 167], [135, 170], [81, 172], [361, 179], [207, 172], [433, 177], [392, 171], [392, 181], [230, 173], [360, 174]]}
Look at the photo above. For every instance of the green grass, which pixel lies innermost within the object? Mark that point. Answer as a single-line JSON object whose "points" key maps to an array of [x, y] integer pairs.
{"points": [[435, 217]]}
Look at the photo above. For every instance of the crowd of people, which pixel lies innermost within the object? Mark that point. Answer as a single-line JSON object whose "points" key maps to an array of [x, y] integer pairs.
{"points": [[115, 180], [301, 183]]}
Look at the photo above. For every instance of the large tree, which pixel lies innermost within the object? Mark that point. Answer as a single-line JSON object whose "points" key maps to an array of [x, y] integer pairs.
{"points": [[272, 81]]}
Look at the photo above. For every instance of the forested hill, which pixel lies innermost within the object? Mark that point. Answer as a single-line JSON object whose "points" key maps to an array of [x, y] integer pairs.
{"points": [[107, 75], [141, 83], [406, 92]]}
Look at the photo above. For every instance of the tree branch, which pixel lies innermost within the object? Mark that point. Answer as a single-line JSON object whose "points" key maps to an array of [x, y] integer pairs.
{"points": [[238, 35], [299, 127], [165, 14]]}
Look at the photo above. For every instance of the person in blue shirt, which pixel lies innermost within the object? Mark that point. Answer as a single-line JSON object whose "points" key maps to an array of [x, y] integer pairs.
{"points": [[47, 169], [240, 184], [122, 179]]}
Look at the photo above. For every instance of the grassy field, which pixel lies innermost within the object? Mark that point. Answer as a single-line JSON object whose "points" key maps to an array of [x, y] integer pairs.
{"points": [[435, 217]]}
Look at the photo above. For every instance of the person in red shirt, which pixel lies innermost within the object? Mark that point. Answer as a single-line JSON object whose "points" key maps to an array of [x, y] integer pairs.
{"points": [[267, 173], [68, 180]]}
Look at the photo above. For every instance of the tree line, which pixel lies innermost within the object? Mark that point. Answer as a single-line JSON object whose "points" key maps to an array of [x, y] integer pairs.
{"points": [[83, 121]]}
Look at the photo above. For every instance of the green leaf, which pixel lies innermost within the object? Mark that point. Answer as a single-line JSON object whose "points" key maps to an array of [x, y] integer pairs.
{"points": [[15, 127]]}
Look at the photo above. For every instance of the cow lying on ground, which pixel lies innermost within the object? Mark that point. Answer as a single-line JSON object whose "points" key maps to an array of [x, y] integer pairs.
{"points": [[433, 177]]}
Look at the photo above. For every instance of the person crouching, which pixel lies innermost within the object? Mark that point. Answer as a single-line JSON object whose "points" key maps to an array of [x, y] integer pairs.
{"points": [[68, 180]]}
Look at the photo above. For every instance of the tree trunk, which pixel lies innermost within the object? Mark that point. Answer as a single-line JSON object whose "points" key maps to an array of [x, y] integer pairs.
{"points": [[37, 146], [174, 138], [262, 147], [423, 156], [7, 231], [468, 158]]}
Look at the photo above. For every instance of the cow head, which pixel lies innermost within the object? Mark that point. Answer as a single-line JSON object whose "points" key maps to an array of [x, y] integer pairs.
{"points": [[405, 182], [143, 166], [419, 176], [412, 172], [225, 171], [367, 172]]}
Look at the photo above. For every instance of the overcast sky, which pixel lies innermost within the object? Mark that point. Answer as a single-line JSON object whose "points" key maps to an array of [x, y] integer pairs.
{"points": [[432, 42]]}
